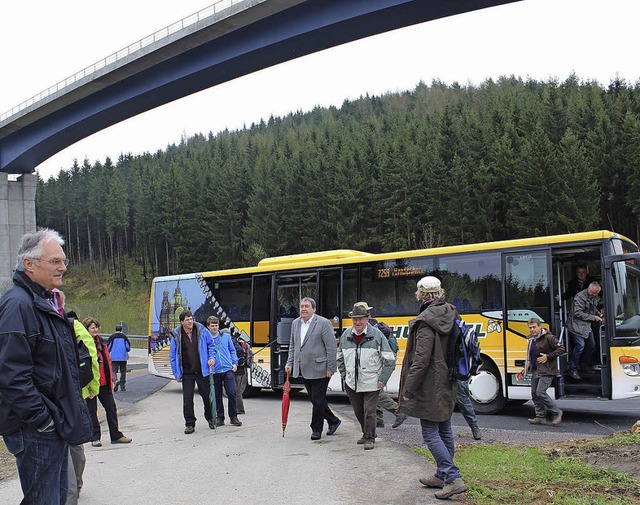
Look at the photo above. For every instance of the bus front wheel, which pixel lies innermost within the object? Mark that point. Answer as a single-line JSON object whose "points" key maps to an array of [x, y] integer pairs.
{"points": [[485, 390]]}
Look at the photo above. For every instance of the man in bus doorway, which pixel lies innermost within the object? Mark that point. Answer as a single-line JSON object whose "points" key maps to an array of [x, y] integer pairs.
{"points": [[312, 355], [584, 313], [191, 354]]}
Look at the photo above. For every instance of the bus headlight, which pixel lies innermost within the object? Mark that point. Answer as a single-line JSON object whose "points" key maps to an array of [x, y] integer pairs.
{"points": [[630, 365]]}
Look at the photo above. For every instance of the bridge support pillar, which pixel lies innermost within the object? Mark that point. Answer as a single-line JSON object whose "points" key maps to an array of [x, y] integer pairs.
{"points": [[17, 217]]}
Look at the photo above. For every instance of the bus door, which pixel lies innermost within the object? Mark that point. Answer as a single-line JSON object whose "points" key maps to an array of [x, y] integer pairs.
{"points": [[527, 294], [289, 289], [330, 297], [260, 327]]}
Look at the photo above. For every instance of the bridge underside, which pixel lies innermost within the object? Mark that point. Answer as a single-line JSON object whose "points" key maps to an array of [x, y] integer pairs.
{"points": [[296, 31]]}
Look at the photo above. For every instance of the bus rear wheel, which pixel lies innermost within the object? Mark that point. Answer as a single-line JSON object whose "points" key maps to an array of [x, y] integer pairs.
{"points": [[485, 390]]}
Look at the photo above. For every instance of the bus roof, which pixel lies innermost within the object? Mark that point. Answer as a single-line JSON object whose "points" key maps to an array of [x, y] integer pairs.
{"points": [[348, 256]]}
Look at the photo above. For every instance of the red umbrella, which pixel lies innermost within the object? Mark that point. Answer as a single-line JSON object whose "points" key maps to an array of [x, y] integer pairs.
{"points": [[285, 403]]}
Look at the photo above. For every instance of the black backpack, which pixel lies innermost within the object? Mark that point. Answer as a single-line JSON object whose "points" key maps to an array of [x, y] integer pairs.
{"points": [[84, 364], [85, 369]]}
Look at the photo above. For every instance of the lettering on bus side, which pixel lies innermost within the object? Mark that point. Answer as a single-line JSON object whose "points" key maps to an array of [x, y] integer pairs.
{"points": [[402, 330]]}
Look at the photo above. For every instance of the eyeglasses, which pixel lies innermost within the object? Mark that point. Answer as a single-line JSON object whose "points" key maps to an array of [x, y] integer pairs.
{"points": [[56, 262]]}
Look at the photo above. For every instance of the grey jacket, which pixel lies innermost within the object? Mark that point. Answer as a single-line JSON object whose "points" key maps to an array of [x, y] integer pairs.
{"points": [[317, 355], [425, 382], [363, 366], [583, 312]]}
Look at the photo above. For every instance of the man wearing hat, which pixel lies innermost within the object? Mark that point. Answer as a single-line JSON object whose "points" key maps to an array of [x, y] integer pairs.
{"points": [[365, 362], [426, 392]]}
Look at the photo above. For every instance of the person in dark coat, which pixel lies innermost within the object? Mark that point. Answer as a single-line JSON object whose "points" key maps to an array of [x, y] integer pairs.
{"points": [[41, 406], [426, 389]]}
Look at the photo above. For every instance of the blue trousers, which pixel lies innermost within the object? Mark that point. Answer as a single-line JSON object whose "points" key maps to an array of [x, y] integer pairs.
{"points": [[439, 439], [228, 379], [582, 351], [42, 460]]}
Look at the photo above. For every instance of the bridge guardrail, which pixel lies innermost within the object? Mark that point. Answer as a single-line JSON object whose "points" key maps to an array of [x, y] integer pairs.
{"points": [[212, 9]]}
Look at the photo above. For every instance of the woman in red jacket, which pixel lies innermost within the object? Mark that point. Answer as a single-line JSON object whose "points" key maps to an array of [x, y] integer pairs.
{"points": [[106, 390]]}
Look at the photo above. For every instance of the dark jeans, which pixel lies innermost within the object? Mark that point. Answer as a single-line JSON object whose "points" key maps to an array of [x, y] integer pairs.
{"points": [[228, 379], [189, 381], [464, 403], [364, 407], [42, 460], [582, 351], [439, 439], [121, 368], [106, 399], [317, 391]]}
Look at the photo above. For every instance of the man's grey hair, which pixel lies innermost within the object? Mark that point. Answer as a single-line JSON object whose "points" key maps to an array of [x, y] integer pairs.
{"points": [[31, 245], [310, 300], [595, 284]]}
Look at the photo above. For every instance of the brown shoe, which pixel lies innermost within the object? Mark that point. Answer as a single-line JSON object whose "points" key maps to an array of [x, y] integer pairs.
{"points": [[454, 487], [369, 444], [432, 481], [121, 440], [189, 430], [557, 418], [361, 441], [537, 420]]}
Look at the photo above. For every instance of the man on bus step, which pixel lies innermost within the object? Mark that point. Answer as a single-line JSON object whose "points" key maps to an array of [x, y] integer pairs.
{"points": [[584, 313], [312, 354]]}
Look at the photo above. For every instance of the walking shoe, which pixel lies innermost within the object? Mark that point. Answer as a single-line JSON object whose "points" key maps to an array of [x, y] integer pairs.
{"points": [[115, 388], [333, 427], [212, 424], [236, 422], [121, 440], [361, 441], [380, 424], [219, 422], [537, 420], [316, 435], [123, 388], [369, 444], [240, 411], [557, 418], [96, 443], [456, 486], [575, 375], [476, 433], [189, 430], [432, 481], [400, 418]]}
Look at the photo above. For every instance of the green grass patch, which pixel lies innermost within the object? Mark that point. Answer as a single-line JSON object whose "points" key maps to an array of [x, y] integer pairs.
{"points": [[501, 474], [97, 294]]}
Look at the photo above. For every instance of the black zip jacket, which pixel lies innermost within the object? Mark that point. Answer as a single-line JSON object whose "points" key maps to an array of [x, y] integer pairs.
{"points": [[39, 374]]}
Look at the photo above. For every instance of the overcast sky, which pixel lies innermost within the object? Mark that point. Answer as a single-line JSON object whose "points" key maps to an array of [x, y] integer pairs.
{"points": [[44, 42]]}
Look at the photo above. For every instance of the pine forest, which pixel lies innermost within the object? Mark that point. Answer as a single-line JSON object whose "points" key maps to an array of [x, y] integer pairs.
{"points": [[439, 165]]}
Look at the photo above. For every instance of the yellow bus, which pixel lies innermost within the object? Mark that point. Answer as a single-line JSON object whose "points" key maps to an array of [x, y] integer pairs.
{"points": [[496, 286]]}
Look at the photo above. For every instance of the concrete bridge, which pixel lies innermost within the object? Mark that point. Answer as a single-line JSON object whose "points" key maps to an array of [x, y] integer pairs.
{"points": [[228, 39]]}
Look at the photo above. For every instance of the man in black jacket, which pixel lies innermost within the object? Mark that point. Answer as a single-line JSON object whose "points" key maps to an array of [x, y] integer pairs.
{"points": [[41, 405]]}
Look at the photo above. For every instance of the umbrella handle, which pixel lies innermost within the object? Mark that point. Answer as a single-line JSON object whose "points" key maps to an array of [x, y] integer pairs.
{"points": [[288, 375]]}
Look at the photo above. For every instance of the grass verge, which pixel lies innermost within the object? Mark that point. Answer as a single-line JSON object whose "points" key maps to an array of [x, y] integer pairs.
{"points": [[507, 474]]}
